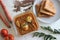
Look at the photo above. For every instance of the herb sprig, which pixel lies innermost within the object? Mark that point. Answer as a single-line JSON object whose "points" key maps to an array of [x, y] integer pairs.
{"points": [[46, 37], [55, 31]]}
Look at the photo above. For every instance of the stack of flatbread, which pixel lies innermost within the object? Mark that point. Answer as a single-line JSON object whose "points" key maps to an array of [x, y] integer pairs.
{"points": [[45, 9]]}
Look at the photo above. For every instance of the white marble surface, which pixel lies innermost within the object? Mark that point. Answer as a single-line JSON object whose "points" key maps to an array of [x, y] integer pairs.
{"points": [[28, 36]]}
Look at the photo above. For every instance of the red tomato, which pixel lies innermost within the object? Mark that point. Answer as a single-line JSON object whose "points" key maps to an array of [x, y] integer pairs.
{"points": [[9, 37], [4, 32], [6, 38]]}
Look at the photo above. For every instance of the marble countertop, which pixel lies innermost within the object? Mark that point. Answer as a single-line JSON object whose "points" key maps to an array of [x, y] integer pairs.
{"points": [[55, 25]]}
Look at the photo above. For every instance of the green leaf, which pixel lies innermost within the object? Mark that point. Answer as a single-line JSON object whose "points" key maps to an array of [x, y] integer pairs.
{"points": [[46, 37], [36, 34], [56, 31], [41, 34], [51, 37], [47, 28]]}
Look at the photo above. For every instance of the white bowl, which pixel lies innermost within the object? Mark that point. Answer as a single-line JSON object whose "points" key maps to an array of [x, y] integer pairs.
{"points": [[52, 19]]}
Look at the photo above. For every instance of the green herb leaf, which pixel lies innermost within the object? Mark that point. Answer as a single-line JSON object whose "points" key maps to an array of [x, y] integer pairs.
{"points": [[47, 28], [52, 38], [46, 37], [55, 31], [36, 34], [41, 34]]}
